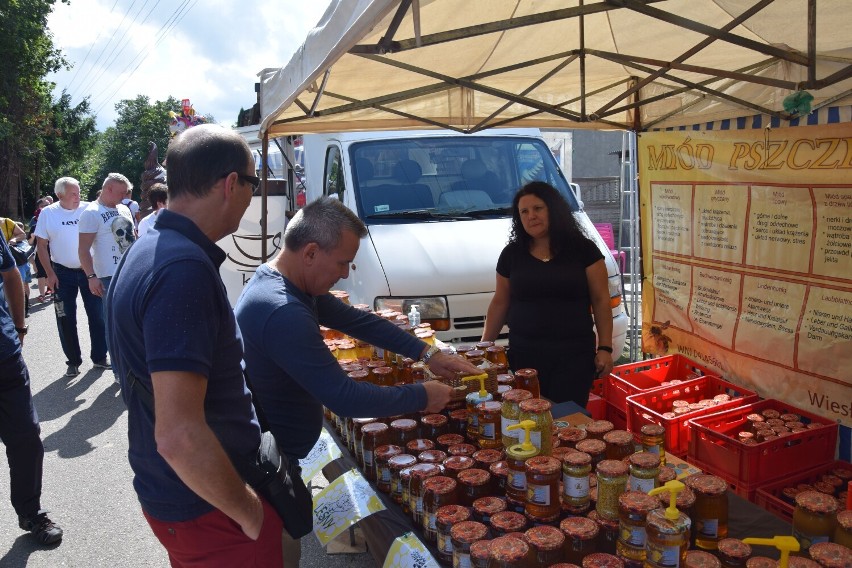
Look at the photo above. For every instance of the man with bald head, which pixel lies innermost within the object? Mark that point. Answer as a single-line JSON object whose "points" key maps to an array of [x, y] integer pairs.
{"points": [[174, 339]]}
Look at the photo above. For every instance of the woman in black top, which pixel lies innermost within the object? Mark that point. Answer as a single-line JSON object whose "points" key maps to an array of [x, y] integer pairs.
{"points": [[551, 278]]}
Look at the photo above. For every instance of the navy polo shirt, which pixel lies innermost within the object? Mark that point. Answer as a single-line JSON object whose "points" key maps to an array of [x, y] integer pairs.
{"points": [[9, 344], [167, 310]]}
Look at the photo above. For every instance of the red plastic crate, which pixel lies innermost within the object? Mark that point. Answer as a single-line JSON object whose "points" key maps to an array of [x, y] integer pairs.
{"points": [[596, 407], [714, 448], [649, 407], [769, 497], [598, 387], [616, 416], [633, 378]]}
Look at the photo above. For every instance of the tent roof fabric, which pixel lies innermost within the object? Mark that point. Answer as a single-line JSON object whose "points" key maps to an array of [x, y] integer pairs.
{"points": [[468, 65]]}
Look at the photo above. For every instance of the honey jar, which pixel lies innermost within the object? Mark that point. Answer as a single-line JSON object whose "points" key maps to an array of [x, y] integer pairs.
{"points": [[569, 436], [447, 440], [619, 444], [485, 458], [633, 509], [667, 532], [831, 555], [612, 482], [843, 531], [644, 469], [384, 376], [462, 535], [419, 445], [596, 429], [383, 475], [473, 484], [711, 509], [761, 562], [461, 450], [548, 545], [652, 437], [543, 474], [453, 465], [801, 562], [516, 457], [403, 431], [813, 518], [458, 422], [396, 464], [580, 538], [472, 401], [507, 522], [595, 448], [507, 379], [607, 532], [499, 476], [537, 410], [496, 354], [445, 518], [432, 456], [510, 414], [701, 559], [527, 379], [733, 553], [357, 424], [438, 491], [485, 507], [480, 554], [489, 416], [418, 473], [576, 468], [434, 425], [405, 485], [508, 552], [373, 435]]}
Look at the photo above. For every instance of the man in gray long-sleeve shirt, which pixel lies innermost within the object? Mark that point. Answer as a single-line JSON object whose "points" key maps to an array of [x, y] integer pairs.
{"points": [[291, 370]]}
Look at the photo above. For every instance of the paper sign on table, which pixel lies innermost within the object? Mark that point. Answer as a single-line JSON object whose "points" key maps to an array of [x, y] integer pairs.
{"points": [[323, 453], [407, 551], [345, 501]]}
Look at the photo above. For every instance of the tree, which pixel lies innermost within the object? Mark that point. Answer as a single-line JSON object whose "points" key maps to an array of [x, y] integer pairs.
{"points": [[69, 142]]}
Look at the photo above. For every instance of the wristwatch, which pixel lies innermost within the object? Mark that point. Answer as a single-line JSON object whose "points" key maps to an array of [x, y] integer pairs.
{"points": [[606, 348], [92, 275], [22, 330], [430, 353]]}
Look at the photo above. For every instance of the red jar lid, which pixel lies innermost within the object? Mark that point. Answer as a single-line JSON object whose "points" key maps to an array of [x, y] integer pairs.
{"points": [[535, 406], [734, 548], [701, 559], [500, 469], [424, 470], [458, 415], [618, 437], [468, 532], [844, 519], [489, 406], [761, 562], [561, 452], [578, 458], [474, 477], [603, 523], [652, 430], [800, 562], [517, 395], [508, 521], [363, 421], [401, 461], [419, 445], [564, 565], [505, 379], [667, 473], [481, 550], [644, 460], [571, 435], [636, 502], [685, 499], [452, 514], [543, 465], [374, 428], [545, 538], [526, 373], [599, 427], [404, 424], [450, 439], [842, 473], [458, 463], [790, 417], [487, 457], [434, 420], [440, 485], [602, 560], [706, 484], [461, 450], [611, 468], [816, 502], [508, 549], [770, 413], [489, 505], [432, 456], [591, 447], [387, 452], [579, 528], [358, 374], [833, 480], [824, 487]]}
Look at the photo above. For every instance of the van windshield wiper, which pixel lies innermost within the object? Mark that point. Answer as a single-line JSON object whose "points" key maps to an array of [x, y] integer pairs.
{"points": [[419, 214], [479, 213]]}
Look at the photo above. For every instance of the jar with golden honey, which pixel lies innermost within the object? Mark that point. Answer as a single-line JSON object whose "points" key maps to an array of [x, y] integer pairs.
{"points": [[403, 431], [445, 519], [510, 413], [543, 474], [485, 458], [685, 503], [480, 554], [382, 458], [576, 468], [516, 481], [475, 356], [373, 435], [548, 545], [612, 482], [507, 522], [667, 539], [405, 485], [569, 436], [499, 476], [508, 552], [384, 376], [644, 469], [489, 418], [701, 559], [607, 532], [538, 410], [418, 373], [473, 484], [710, 511], [453, 465], [472, 402], [595, 448], [496, 354], [506, 379], [458, 422], [462, 535], [580, 538], [831, 555], [733, 553], [434, 425], [633, 509], [395, 465], [418, 473], [485, 507], [357, 424], [527, 379], [843, 531], [619, 444], [447, 440], [438, 491], [596, 429], [652, 437], [813, 518]]}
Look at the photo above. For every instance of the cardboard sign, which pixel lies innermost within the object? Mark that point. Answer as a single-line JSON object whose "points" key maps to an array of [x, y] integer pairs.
{"points": [[345, 501], [407, 551], [323, 453]]}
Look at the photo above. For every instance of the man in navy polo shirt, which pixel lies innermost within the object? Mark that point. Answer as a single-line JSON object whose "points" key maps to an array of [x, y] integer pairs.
{"points": [[172, 329], [19, 428]]}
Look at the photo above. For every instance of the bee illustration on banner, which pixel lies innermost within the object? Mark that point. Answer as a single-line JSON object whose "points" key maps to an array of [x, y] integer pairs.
{"points": [[654, 341]]}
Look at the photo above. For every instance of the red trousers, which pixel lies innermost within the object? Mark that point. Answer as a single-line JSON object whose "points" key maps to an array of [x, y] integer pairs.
{"points": [[214, 540]]}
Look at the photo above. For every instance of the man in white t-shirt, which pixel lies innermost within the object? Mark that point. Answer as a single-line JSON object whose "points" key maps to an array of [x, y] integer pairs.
{"points": [[57, 227], [106, 231], [158, 195], [132, 205]]}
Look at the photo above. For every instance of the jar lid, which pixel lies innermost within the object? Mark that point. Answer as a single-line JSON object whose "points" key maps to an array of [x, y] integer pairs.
{"points": [[618, 437], [561, 452], [824, 487], [517, 395], [843, 473], [535, 406], [474, 477], [801, 562], [658, 520], [755, 417], [816, 502], [505, 379], [468, 532], [460, 414], [667, 473], [434, 419], [545, 538], [508, 521], [844, 519], [770, 413], [652, 430], [833, 480], [440, 485], [761, 562], [404, 424], [450, 439], [599, 427], [602, 560], [500, 469], [571, 434], [592, 446], [701, 559], [508, 549], [706, 484], [494, 348], [382, 371], [475, 354], [461, 450], [358, 374], [605, 524], [724, 397], [363, 421], [644, 460], [458, 463], [432, 456], [578, 458], [402, 460], [481, 550], [680, 404], [387, 451], [451, 514], [424, 470], [611, 468], [526, 373], [419, 445], [685, 499], [489, 406], [790, 417], [637, 502], [487, 457], [489, 505], [579, 528], [374, 428], [734, 548], [543, 465]]}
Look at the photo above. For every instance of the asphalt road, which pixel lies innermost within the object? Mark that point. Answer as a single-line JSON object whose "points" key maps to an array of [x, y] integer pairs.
{"points": [[87, 480]]}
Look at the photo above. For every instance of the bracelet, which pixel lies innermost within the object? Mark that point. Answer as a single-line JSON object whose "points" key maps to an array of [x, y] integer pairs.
{"points": [[606, 348], [92, 275], [428, 355]]}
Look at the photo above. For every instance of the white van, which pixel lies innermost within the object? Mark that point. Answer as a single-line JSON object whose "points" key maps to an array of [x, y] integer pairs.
{"points": [[437, 205]]}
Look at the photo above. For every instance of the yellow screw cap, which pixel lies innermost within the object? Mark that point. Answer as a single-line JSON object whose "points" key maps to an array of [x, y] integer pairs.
{"points": [[674, 487], [525, 449], [786, 544], [481, 378]]}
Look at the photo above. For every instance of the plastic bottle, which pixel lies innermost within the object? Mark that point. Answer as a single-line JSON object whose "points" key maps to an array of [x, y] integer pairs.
{"points": [[414, 316], [473, 399]]}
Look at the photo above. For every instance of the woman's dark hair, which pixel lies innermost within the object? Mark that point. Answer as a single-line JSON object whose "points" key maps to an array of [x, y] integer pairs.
{"points": [[563, 228]]}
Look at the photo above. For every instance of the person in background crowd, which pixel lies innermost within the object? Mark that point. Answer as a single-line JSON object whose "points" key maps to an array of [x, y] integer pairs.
{"points": [[57, 229], [14, 233], [292, 372], [158, 195], [132, 205], [19, 427], [173, 335], [548, 276], [44, 293]]}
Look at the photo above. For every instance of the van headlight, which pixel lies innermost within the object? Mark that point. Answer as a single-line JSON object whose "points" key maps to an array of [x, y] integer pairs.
{"points": [[433, 310]]}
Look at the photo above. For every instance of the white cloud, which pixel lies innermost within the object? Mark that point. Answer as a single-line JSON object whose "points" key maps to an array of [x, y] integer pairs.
{"points": [[212, 56]]}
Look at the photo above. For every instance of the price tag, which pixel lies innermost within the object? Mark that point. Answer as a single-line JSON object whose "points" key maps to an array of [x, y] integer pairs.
{"points": [[407, 551], [323, 453]]}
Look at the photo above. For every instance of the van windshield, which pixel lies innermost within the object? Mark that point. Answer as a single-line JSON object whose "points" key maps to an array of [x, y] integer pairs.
{"points": [[407, 180]]}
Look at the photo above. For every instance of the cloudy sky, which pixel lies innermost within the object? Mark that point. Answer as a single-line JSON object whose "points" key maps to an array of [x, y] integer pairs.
{"points": [[209, 52]]}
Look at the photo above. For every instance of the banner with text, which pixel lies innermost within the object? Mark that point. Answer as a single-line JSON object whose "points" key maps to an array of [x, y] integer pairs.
{"points": [[323, 453], [408, 551], [345, 501], [747, 236]]}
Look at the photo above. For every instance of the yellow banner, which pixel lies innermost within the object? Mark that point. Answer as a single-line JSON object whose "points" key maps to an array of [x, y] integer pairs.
{"points": [[407, 551], [323, 453], [746, 242], [345, 501]]}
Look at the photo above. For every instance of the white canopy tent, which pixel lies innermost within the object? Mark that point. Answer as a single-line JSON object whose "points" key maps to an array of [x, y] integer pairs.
{"points": [[468, 65]]}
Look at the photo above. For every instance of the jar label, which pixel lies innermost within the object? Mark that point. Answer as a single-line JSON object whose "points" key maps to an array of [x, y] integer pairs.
{"points": [[461, 560], [517, 479], [538, 494], [445, 543], [535, 438], [384, 474], [643, 485], [806, 540], [633, 536], [655, 449], [418, 505], [575, 486], [487, 431], [505, 423], [368, 458], [430, 522], [707, 527], [394, 487], [473, 420], [663, 556]]}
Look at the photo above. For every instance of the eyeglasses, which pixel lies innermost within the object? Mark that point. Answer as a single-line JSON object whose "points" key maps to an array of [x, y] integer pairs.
{"points": [[254, 181]]}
